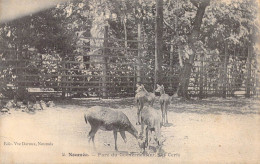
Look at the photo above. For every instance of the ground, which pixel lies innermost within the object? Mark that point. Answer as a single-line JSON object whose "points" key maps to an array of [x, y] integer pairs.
{"points": [[210, 130]]}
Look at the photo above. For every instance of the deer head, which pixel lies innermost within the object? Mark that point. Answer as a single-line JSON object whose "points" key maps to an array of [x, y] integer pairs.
{"points": [[160, 88], [139, 88]]}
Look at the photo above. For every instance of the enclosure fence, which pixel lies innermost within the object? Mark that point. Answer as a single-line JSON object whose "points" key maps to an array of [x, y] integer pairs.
{"points": [[102, 67], [225, 75]]}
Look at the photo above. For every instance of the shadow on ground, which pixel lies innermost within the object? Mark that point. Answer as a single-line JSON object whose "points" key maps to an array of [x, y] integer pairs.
{"points": [[112, 103], [217, 106], [205, 106]]}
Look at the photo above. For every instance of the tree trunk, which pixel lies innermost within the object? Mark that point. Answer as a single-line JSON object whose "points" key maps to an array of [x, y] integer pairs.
{"points": [[171, 64], [104, 71], [125, 31], [138, 71], [158, 43], [224, 83], [20, 73], [186, 72], [248, 79], [63, 77], [201, 77]]}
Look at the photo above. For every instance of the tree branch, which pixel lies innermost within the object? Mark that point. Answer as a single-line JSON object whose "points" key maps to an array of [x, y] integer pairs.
{"points": [[200, 3], [205, 3], [167, 24], [195, 3]]}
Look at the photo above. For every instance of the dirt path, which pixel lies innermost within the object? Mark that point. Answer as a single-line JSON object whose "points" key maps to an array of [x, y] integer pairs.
{"points": [[200, 131]]}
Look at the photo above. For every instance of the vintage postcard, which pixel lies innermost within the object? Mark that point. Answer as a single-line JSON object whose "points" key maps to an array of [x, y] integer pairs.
{"points": [[129, 81]]}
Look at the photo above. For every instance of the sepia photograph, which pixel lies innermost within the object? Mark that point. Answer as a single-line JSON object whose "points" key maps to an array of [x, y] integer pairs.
{"points": [[129, 81]]}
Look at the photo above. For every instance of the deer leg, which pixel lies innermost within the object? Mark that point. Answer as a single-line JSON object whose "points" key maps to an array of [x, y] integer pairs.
{"points": [[142, 129], [139, 113], [93, 138], [162, 114], [122, 133], [166, 115], [150, 134], [137, 107], [91, 135], [157, 131], [146, 136], [115, 137], [141, 108]]}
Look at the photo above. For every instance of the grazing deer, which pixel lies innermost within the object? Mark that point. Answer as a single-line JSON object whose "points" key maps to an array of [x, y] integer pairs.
{"points": [[164, 100], [109, 120], [152, 120], [143, 96]]}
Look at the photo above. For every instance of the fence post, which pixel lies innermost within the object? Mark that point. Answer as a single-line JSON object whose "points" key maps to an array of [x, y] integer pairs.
{"points": [[201, 77], [21, 88], [206, 82], [134, 83], [248, 79], [104, 70], [63, 78], [224, 91]]}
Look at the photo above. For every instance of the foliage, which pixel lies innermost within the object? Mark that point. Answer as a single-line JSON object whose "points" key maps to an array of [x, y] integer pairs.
{"points": [[61, 33]]}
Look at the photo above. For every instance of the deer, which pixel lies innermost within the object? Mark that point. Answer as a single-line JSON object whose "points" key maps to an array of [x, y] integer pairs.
{"points": [[153, 121], [143, 96], [109, 120], [164, 100]]}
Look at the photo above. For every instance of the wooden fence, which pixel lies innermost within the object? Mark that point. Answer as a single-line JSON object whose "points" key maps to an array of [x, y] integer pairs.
{"points": [[233, 76], [110, 70], [103, 69]]}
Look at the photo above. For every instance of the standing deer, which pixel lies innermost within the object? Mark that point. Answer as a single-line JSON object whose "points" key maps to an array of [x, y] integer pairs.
{"points": [[143, 96], [152, 120], [109, 120], [164, 100]]}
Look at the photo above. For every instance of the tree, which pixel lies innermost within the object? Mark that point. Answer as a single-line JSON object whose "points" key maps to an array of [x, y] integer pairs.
{"points": [[42, 33], [230, 28], [192, 39], [185, 29], [158, 43]]}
